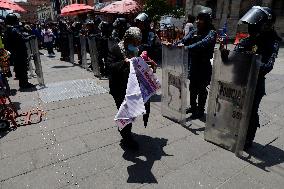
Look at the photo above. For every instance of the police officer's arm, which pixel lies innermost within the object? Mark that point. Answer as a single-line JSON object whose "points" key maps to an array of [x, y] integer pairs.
{"points": [[266, 67], [186, 38], [208, 40]]}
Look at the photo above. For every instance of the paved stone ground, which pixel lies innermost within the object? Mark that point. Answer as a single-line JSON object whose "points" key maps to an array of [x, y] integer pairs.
{"points": [[77, 145]]}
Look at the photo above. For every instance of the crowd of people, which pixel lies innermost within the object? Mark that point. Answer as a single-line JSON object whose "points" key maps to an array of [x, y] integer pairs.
{"points": [[131, 38]]}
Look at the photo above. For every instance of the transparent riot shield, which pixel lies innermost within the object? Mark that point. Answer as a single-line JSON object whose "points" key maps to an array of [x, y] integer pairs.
{"points": [[71, 47], [30, 55], [174, 83], [37, 60], [230, 101], [83, 51], [94, 55]]}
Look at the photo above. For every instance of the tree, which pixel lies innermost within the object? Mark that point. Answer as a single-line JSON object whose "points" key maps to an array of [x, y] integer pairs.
{"points": [[157, 8]]}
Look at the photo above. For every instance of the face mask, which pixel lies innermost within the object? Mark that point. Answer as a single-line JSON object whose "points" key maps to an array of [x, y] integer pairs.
{"points": [[132, 48]]}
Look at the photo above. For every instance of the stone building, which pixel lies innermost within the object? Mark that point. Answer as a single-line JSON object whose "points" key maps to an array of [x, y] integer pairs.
{"points": [[231, 11], [31, 9]]}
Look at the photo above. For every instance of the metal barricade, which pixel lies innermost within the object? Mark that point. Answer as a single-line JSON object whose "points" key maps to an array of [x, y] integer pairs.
{"points": [[37, 60], [83, 51], [174, 83], [94, 55], [230, 101], [71, 47]]}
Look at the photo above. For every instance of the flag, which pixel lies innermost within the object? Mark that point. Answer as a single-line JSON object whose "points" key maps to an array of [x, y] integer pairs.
{"points": [[142, 84]]}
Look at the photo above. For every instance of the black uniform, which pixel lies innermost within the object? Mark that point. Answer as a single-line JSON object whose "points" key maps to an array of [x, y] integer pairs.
{"points": [[15, 43], [267, 45], [201, 47], [64, 41]]}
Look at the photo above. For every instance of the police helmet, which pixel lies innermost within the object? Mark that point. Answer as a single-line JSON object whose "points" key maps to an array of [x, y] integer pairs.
{"points": [[142, 17], [97, 20], [11, 19], [120, 23], [259, 15], [104, 26], [205, 15]]}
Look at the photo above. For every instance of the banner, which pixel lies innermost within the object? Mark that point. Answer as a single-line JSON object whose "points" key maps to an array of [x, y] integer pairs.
{"points": [[142, 84]]}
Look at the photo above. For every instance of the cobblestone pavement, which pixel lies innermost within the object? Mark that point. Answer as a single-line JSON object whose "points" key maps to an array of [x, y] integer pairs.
{"points": [[77, 145]]}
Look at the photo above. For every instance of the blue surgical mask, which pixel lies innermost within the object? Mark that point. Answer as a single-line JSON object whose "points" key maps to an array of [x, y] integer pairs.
{"points": [[132, 48]]}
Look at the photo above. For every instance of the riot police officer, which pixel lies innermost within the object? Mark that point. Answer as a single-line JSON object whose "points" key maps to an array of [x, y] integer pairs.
{"points": [[200, 43], [102, 46], [76, 28], [262, 40], [119, 29], [15, 43], [64, 30]]}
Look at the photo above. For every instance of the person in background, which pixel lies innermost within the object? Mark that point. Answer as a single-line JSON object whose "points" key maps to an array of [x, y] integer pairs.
{"points": [[48, 39], [102, 46], [76, 28], [119, 28], [118, 61], [15, 44], [64, 31], [189, 24]]}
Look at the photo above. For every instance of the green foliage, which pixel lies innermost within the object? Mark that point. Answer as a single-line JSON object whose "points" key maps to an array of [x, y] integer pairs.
{"points": [[157, 8]]}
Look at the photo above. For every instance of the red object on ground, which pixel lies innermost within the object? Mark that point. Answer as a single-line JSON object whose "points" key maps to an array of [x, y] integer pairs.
{"points": [[122, 7], [75, 9], [240, 36], [8, 4]]}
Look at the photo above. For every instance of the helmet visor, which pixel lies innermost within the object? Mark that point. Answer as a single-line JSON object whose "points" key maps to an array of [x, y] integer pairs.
{"points": [[253, 16]]}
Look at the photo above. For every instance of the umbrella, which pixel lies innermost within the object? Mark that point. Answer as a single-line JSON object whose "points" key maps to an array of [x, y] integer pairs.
{"points": [[75, 9], [8, 4], [122, 7]]}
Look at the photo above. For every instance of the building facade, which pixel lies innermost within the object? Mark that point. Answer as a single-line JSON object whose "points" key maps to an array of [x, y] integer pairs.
{"points": [[231, 11], [31, 9], [45, 13]]}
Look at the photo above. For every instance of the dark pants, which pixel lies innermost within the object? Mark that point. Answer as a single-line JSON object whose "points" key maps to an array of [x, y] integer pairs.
{"points": [[49, 46], [126, 131], [21, 71], [198, 92], [254, 117], [146, 116], [64, 49]]}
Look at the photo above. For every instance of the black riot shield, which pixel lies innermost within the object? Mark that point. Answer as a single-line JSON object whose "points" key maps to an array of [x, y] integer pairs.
{"points": [[94, 55], [37, 60], [174, 83], [231, 96], [71, 47], [83, 50]]}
